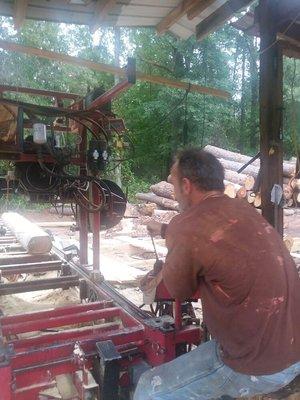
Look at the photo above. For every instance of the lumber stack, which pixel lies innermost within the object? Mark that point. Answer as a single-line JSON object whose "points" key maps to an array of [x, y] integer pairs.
{"points": [[244, 185]]}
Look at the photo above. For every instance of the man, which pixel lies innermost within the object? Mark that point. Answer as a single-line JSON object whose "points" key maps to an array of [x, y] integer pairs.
{"points": [[250, 292]]}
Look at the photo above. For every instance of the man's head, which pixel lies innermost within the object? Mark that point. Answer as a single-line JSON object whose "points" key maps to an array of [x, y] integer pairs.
{"points": [[194, 174]]}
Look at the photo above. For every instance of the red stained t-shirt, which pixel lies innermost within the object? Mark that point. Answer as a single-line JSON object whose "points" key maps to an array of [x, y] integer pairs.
{"points": [[249, 285]]}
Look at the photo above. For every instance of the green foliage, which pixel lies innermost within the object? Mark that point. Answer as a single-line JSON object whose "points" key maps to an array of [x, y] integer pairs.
{"points": [[160, 120], [17, 202]]}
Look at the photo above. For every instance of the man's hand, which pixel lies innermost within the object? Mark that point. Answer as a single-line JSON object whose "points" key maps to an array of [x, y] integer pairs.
{"points": [[154, 227]]}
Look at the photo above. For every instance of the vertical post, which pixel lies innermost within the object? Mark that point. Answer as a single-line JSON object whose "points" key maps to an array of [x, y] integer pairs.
{"points": [[96, 229], [178, 314], [83, 214], [271, 103], [117, 170]]}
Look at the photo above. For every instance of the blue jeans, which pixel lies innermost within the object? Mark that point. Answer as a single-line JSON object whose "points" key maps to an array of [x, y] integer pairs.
{"points": [[201, 375]]}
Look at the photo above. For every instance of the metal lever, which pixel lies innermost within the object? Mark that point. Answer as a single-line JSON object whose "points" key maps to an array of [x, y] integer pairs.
{"points": [[152, 240]]}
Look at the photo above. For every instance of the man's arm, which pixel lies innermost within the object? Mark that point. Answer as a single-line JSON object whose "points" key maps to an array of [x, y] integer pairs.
{"points": [[181, 270], [156, 228]]}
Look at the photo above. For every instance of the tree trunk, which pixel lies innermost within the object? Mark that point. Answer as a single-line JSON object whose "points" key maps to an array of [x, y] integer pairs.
{"points": [[161, 201], [240, 179], [163, 189], [235, 166]]}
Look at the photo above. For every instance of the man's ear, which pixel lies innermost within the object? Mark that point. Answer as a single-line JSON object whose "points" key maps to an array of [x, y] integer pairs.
{"points": [[186, 186]]}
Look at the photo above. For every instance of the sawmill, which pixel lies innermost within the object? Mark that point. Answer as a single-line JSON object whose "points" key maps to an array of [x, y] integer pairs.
{"points": [[98, 346]]}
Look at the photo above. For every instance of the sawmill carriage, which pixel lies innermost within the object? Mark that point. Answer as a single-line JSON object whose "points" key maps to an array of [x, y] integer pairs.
{"points": [[59, 154]]}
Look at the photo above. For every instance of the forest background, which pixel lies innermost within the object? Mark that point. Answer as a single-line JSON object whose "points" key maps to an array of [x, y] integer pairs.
{"points": [[160, 120]]}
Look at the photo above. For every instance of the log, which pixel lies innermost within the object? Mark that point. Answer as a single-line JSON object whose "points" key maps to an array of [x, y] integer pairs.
{"points": [[294, 183], [32, 238], [161, 201], [147, 209], [163, 189], [230, 190], [164, 216], [287, 192], [241, 193], [289, 202], [257, 200], [235, 166], [230, 155], [250, 197], [288, 168], [240, 179]]}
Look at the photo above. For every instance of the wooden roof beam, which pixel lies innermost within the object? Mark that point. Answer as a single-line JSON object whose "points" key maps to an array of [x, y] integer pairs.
{"points": [[290, 46], [175, 15], [102, 8], [219, 17], [20, 7], [199, 7]]}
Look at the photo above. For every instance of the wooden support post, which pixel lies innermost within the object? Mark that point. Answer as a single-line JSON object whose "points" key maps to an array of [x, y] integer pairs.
{"points": [[271, 103]]}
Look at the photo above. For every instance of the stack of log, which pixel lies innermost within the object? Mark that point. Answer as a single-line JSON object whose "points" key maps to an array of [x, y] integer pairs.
{"points": [[241, 185], [246, 184]]}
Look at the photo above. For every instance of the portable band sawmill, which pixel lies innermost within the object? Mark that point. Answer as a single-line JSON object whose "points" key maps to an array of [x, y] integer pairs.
{"points": [[59, 153]]}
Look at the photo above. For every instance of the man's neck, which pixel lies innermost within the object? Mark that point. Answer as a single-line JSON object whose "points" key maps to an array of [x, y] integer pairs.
{"points": [[199, 196]]}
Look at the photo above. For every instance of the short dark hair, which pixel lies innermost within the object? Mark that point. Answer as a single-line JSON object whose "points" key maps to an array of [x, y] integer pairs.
{"points": [[201, 168]]}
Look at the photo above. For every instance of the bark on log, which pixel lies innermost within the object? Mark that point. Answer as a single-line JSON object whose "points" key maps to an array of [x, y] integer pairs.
{"points": [[163, 189], [32, 238], [161, 201], [235, 166], [147, 209], [240, 179], [164, 216], [287, 192], [294, 183], [230, 155], [288, 168]]}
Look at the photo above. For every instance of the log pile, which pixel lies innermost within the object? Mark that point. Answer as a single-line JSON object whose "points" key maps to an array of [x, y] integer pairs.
{"points": [[244, 185]]}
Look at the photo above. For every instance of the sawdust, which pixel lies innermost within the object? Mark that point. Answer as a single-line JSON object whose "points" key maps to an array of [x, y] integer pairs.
{"points": [[36, 301]]}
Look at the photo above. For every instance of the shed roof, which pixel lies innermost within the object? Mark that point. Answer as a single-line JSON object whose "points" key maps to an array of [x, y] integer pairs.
{"points": [[177, 16], [181, 17]]}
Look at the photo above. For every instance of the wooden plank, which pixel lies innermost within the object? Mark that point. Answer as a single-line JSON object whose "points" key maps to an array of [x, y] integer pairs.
{"points": [[39, 92], [102, 8], [101, 67], [271, 106], [175, 15], [20, 9], [220, 16]]}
